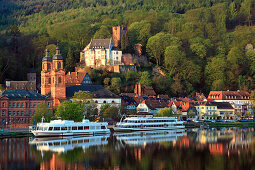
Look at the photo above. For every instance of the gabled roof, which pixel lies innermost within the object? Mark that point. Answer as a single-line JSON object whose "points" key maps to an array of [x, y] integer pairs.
{"points": [[97, 91], [154, 104], [229, 95], [128, 100], [21, 94], [77, 78], [100, 43]]}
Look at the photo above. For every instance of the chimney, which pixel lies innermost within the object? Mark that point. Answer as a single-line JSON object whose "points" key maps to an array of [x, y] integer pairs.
{"points": [[139, 89]]}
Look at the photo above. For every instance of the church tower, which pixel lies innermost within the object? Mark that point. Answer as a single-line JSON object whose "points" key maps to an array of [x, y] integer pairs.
{"points": [[58, 88], [46, 73]]}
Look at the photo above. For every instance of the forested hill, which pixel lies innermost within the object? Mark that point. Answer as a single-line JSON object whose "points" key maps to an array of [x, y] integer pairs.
{"points": [[199, 44]]}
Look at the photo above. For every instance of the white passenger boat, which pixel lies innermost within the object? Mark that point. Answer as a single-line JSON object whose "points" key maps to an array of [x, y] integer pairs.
{"points": [[70, 128], [148, 137], [148, 123], [61, 145]]}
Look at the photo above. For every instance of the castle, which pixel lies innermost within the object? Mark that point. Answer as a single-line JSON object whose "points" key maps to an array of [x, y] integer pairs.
{"points": [[61, 87], [100, 52]]}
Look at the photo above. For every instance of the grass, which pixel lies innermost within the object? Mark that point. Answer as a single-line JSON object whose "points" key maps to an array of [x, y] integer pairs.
{"points": [[14, 134]]}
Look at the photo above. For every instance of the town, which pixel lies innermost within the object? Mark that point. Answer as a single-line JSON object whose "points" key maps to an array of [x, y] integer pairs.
{"points": [[20, 100]]}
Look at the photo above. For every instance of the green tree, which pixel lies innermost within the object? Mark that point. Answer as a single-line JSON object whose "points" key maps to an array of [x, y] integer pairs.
{"points": [[215, 72], [102, 33], [83, 96], [156, 46], [191, 114], [42, 110], [104, 107], [70, 110], [165, 112], [91, 112], [173, 58], [145, 79], [116, 84], [70, 61], [112, 112]]}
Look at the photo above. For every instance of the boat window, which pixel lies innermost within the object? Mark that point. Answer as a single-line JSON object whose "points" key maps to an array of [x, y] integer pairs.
{"points": [[103, 127], [56, 128], [86, 127], [80, 141], [63, 142], [69, 128], [92, 127], [63, 128], [80, 127], [50, 128], [74, 142], [97, 127], [74, 128]]}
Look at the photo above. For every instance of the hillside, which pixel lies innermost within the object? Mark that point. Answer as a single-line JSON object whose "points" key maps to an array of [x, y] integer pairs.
{"points": [[200, 44]]}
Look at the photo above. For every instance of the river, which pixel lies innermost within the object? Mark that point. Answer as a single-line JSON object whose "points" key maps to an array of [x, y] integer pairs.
{"points": [[210, 149]]}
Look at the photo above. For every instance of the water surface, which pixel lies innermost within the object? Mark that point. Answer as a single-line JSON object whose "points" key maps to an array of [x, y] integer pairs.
{"points": [[226, 148]]}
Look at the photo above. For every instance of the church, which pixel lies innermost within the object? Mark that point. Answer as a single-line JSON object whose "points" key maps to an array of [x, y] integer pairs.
{"points": [[61, 86]]}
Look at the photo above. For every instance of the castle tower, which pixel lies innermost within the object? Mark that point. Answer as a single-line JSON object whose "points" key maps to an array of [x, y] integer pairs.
{"points": [[58, 88], [46, 73], [117, 33]]}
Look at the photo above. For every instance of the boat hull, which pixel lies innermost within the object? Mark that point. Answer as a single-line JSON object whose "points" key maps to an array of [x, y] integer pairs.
{"points": [[53, 134], [121, 129]]}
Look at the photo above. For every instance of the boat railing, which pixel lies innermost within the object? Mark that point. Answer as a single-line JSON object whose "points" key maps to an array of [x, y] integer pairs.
{"points": [[139, 115]]}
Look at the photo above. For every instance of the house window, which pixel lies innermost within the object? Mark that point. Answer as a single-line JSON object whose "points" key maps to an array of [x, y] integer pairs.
{"points": [[30, 104], [49, 80], [59, 80], [13, 104], [30, 113], [22, 113], [3, 112], [17, 113], [17, 104], [34, 104], [117, 52], [48, 104], [13, 113], [10, 104], [3, 105], [22, 104]]}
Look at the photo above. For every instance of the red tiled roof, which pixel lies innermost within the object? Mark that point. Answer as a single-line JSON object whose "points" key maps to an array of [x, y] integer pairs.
{"points": [[154, 104], [74, 78], [229, 95]]}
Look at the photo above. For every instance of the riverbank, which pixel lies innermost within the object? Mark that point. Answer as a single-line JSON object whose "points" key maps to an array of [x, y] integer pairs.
{"points": [[220, 124]]}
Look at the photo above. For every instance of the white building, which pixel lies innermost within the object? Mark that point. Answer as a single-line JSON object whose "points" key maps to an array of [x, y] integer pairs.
{"points": [[100, 52]]}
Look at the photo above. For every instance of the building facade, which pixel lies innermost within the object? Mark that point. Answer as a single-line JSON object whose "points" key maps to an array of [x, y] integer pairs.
{"points": [[239, 99], [18, 106], [100, 53], [53, 76]]}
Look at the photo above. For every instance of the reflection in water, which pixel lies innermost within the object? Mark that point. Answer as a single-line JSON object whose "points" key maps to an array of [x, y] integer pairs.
{"points": [[227, 148], [68, 143], [148, 137]]}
